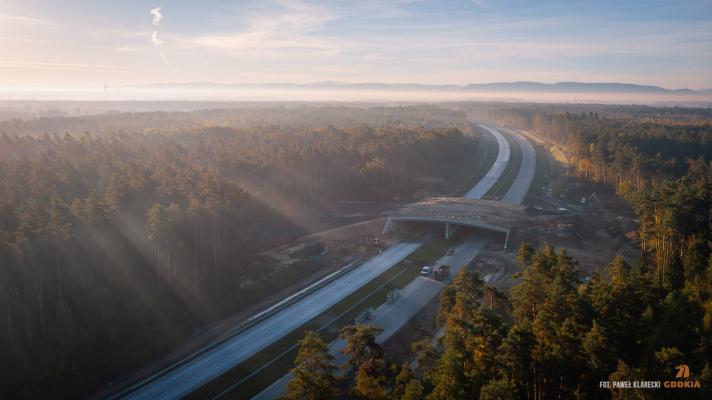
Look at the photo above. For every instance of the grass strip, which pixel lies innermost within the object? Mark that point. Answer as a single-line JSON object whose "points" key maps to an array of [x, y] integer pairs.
{"points": [[474, 169], [540, 183]]}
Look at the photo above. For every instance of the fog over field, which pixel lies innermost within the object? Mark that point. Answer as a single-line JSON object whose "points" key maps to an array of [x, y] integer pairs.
{"points": [[610, 93]]}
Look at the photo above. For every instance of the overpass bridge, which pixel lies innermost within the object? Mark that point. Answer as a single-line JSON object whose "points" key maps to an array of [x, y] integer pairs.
{"points": [[489, 215]]}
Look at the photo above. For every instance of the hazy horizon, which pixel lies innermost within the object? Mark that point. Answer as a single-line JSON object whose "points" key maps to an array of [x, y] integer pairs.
{"points": [[414, 93], [86, 45]]}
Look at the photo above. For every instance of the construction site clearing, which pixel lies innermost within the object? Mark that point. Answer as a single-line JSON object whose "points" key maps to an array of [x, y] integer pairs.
{"points": [[593, 232], [585, 219]]}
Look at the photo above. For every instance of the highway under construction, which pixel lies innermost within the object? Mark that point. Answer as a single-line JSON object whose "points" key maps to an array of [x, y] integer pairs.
{"points": [[205, 365]]}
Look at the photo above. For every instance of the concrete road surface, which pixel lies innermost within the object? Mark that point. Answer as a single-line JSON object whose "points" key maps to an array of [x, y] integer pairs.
{"points": [[191, 375], [494, 173], [414, 296], [393, 316], [417, 293], [515, 194], [520, 186], [186, 376]]}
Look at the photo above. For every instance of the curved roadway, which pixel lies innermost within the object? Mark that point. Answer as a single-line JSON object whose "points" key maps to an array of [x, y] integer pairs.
{"points": [[420, 291], [520, 186], [184, 377], [494, 173]]}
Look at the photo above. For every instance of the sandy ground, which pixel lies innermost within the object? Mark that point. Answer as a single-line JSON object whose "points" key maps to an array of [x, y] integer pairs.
{"points": [[592, 234]]}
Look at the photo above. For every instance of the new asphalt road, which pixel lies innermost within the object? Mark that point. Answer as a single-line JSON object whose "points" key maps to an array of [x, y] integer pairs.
{"points": [[186, 376], [393, 316], [493, 175], [414, 296], [520, 186]]}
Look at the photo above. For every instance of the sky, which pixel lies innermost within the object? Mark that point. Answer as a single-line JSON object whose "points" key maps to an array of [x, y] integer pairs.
{"points": [[86, 43]]}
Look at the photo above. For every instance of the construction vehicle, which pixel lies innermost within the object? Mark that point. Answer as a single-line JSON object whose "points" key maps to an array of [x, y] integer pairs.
{"points": [[364, 316], [442, 272]]}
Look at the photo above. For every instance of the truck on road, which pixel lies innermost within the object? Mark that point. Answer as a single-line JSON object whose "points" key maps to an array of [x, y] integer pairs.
{"points": [[441, 272]]}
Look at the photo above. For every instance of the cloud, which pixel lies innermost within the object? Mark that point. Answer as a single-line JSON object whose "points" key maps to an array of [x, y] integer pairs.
{"points": [[155, 39], [64, 66], [22, 18], [157, 16], [285, 25]]}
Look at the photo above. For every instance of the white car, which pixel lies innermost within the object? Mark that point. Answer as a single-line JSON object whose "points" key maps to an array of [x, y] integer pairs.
{"points": [[426, 271]]}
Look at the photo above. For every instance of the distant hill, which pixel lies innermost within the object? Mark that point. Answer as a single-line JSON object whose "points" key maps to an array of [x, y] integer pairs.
{"points": [[496, 87], [573, 87]]}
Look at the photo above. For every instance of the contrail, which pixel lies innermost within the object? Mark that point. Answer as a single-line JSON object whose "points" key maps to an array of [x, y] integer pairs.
{"points": [[155, 39], [157, 16], [163, 57]]}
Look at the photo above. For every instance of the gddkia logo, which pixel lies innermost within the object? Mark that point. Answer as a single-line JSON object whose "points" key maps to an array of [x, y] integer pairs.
{"points": [[682, 381], [682, 372]]}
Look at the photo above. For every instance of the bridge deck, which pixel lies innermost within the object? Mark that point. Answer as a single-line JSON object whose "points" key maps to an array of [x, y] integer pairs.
{"points": [[486, 214]]}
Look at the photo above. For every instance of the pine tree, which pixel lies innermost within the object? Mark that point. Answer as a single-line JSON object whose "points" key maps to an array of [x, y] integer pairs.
{"points": [[469, 285], [413, 391], [447, 301], [514, 356], [619, 270], [426, 358], [524, 254], [471, 335], [370, 380], [600, 350], [402, 379], [449, 380], [361, 343], [501, 389], [313, 371]]}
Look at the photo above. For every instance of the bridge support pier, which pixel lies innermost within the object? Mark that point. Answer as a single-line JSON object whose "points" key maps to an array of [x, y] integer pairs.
{"points": [[448, 231], [387, 227]]}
